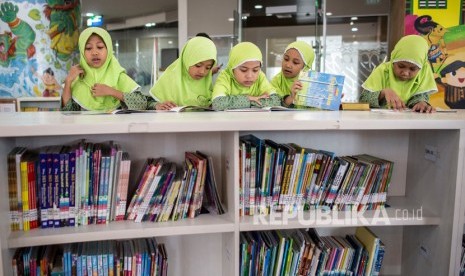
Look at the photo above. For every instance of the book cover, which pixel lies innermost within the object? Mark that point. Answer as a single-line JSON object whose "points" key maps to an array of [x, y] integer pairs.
{"points": [[320, 90], [371, 243]]}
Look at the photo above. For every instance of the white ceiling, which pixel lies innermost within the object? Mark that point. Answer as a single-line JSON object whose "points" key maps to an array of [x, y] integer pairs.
{"points": [[115, 11]]}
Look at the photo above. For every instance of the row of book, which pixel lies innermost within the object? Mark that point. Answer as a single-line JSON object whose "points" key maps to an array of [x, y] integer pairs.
{"points": [[57, 186], [287, 177], [87, 183], [138, 257], [170, 192], [305, 252]]}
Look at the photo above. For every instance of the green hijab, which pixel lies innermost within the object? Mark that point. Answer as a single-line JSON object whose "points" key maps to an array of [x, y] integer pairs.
{"points": [[176, 85], [413, 49], [283, 84], [226, 84], [110, 73]]}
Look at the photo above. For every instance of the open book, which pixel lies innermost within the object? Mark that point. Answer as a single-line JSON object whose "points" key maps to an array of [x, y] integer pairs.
{"points": [[263, 109], [174, 109]]}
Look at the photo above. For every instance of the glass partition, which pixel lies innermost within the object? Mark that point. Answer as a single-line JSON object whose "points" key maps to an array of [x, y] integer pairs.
{"points": [[350, 46]]}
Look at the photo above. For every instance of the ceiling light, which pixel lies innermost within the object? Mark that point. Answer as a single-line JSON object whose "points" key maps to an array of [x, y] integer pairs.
{"points": [[354, 18], [150, 24], [258, 7], [351, 23], [354, 29], [329, 13], [244, 17], [230, 19], [89, 14], [170, 42]]}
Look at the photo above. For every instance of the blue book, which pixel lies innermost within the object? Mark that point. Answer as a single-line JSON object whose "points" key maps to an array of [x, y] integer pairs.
{"points": [[320, 90], [72, 187], [43, 183]]}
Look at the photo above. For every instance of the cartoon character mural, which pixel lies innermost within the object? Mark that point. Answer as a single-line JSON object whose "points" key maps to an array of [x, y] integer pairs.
{"points": [[26, 48], [445, 34], [21, 45], [434, 35], [453, 78], [64, 16], [16, 49]]}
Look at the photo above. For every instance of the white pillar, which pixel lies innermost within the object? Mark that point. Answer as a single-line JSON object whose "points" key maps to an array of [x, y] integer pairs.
{"points": [[182, 23]]}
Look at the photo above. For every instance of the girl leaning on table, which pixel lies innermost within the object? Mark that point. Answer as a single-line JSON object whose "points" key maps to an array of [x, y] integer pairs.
{"points": [[404, 81], [298, 56], [188, 80], [242, 84], [99, 82]]}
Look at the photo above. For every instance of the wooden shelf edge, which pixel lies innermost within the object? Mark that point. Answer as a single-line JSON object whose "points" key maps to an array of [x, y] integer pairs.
{"points": [[401, 212], [204, 224]]}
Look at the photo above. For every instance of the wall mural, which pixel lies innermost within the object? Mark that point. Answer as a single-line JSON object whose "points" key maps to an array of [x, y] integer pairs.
{"points": [[38, 45], [441, 27]]}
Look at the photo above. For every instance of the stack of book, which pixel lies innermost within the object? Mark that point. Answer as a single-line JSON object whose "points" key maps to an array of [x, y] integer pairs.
{"points": [[127, 257], [301, 252], [170, 192], [287, 177], [57, 186]]}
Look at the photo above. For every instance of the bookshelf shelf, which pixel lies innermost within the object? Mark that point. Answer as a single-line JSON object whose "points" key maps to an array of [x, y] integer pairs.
{"points": [[204, 224], [419, 186], [400, 213], [38, 104]]}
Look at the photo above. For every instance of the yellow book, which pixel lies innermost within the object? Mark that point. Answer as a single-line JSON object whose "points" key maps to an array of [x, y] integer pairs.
{"points": [[25, 194], [371, 243], [355, 106]]}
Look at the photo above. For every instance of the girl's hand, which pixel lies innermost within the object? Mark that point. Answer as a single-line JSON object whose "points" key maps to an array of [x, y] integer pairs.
{"points": [[100, 90], [392, 100], [165, 106], [296, 86], [257, 99], [74, 72], [423, 107]]}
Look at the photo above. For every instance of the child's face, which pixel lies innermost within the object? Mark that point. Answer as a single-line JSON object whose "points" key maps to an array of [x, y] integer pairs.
{"points": [[95, 51], [292, 63], [201, 69], [247, 73], [456, 78], [404, 70], [48, 79]]}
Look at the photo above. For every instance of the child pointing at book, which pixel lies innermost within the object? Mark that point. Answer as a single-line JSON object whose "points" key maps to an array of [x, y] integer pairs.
{"points": [[298, 56], [242, 84], [404, 81], [99, 82]]}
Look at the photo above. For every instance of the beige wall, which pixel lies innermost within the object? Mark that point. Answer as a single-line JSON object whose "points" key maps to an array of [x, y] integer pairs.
{"points": [[211, 17]]}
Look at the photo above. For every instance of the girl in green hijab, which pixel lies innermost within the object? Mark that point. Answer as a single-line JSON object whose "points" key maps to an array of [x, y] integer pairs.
{"points": [[242, 84], [99, 82], [404, 81], [297, 57], [188, 80]]}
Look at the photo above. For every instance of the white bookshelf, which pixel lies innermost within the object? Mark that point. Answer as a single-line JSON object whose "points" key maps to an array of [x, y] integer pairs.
{"points": [[209, 245], [37, 102]]}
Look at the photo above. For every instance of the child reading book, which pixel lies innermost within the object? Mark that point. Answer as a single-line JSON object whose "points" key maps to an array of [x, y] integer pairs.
{"points": [[188, 80], [99, 82], [297, 57], [242, 84], [404, 81]]}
